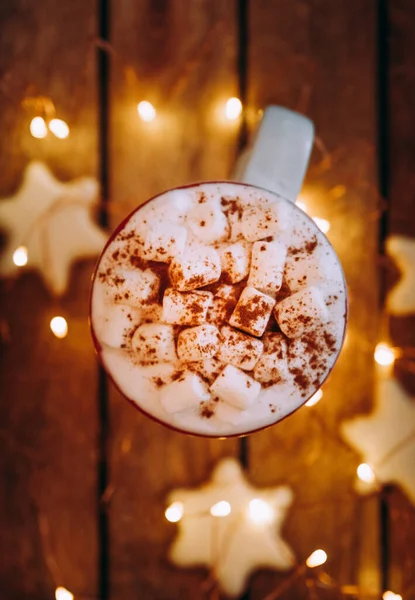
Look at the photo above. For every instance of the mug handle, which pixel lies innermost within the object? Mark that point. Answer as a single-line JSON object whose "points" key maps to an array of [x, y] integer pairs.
{"points": [[280, 151]]}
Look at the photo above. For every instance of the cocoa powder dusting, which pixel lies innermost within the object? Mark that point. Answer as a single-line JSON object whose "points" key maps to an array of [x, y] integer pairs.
{"points": [[301, 380], [232, 207], [206, 411]]}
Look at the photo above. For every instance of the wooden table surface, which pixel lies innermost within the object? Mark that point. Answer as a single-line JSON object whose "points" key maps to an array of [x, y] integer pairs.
{"points": [[65, 433]]}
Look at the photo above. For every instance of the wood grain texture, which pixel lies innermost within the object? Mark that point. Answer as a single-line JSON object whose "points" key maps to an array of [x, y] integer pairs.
{"points": [[401, 220], [48, 398], [181, 57], [319, 58]]}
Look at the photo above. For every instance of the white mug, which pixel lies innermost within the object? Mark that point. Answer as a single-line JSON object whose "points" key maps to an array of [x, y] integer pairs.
{"points": [[296, 310], [278, 158]]}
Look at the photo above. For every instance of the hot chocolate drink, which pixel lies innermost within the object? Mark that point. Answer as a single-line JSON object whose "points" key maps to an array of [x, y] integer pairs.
{"points": [[218, 309]]}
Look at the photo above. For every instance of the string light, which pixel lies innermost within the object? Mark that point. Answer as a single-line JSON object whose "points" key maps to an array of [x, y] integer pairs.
{"points": [[220, 509], [366, 473], [20, 256], [384, 355], [322, 224], [314, 399], [316, 559], [62, 593], [59, 327], [174, 512], [233, 109], [59, 128], [391, 596], [260, 512], [146, 111], [38, 128]]}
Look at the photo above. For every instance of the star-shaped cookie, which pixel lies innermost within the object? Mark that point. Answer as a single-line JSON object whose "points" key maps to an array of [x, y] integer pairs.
{"points": [[52, 221], [386, 438], [401, 299], [232, 546]]}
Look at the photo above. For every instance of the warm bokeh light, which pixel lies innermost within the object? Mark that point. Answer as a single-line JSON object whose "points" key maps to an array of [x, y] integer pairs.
{"points": [[220, 509], [174, 512], [146, 111], [20, 256], [391, 596], [384, 355], [59, 327], [301, 205], [62, 593], [322, 224], [59, 128], [314, 399], [260, 512], [366, 473], [316, 559], [233, 109], [38, 128]]}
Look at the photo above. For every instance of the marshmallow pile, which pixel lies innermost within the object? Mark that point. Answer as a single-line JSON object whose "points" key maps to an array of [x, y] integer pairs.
{"points": [[217, 293]]}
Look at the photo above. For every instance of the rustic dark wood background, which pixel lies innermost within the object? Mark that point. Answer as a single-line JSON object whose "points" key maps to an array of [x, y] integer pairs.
{"points": [[64, 436]]}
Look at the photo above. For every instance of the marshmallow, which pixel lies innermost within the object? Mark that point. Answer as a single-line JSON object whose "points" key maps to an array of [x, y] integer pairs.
{"points": [[235, 387], [164, 241], [252, 311], [300, 312], [198, 343], [113, 325], [272, 366], [195, 268], [267, 266], [209, 368], [151, 312], [135, 287], [259, 222], [154, 342], [235, 261], [302, 271], [227, 292], [239, 349], [208, 223], [187, 308], [188, 391], [223, 303], [176, 203]]}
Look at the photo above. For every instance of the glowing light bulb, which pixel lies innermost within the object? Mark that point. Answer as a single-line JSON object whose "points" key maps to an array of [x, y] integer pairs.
{"points": [[314, 399], [316, 559], [322, 224], [220, 509], [233, 109], [174, 512], [260, 512], [20, 256], [38, 128], [59, 128], [366, 473], [59, 327], [384, 355], [146, 111], [302, 205], [391, 596], [62, 593]]}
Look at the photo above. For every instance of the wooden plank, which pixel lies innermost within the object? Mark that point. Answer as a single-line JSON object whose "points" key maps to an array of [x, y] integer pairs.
{"points": [[183, 61], [401, 219], [48, 409], [319, 58]]}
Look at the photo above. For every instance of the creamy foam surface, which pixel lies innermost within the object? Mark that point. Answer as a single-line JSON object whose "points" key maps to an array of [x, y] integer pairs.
{"points": [[219, 308]]}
